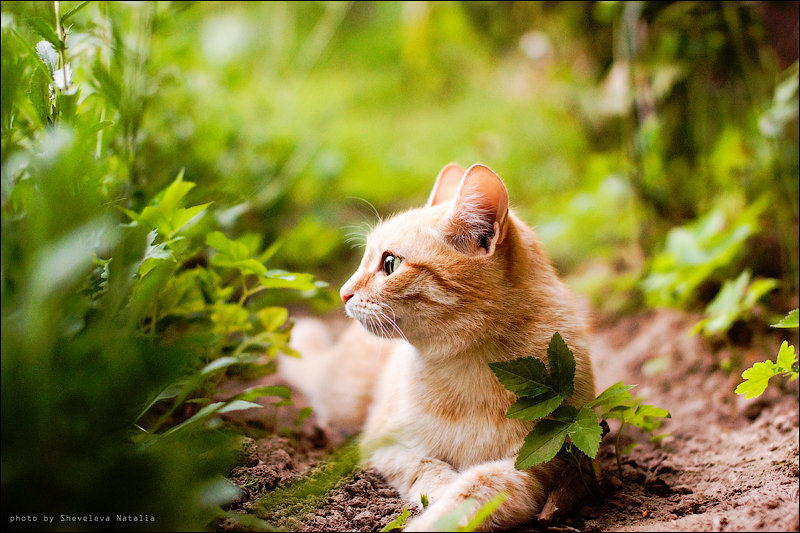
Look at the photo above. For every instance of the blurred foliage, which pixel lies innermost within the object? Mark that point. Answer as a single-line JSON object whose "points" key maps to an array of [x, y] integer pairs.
{"points": [[653, 146], [118, 324]]}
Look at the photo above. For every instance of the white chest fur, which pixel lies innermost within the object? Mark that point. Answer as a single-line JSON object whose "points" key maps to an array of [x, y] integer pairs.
{"points": [[450, 409]]}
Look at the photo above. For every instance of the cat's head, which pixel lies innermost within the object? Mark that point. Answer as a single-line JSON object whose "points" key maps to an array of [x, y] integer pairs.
{"points": [[437, 270]]}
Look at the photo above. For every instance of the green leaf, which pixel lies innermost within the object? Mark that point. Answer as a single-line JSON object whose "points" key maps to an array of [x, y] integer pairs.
{"points": [[272, 317], [280, 279], [39, 94], [565, 413], [542, 443], [219, 363], [526, 376], [534, 408], [789, 321], [452, 521], [238, 405], [212, 409], [170, 199], [267, 390], [66, 16], [649, 410], [562, 365], [423, 499], [183, 215], [484, 512], [45, 31], [757, 290], [398, 522], [616, 394], [235, 251], [756, 379], [304, 413], [585, 432], [786, 357]]}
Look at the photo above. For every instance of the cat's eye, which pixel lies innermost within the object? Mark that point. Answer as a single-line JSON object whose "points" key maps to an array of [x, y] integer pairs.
{"points": [[391, 263]]}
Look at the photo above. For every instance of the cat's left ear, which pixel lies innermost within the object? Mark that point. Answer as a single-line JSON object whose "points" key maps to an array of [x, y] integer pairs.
{"points": [[478, 218]]}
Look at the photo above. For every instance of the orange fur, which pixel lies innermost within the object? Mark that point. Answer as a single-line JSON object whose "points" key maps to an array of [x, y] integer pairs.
{"points": [[473, 287]]}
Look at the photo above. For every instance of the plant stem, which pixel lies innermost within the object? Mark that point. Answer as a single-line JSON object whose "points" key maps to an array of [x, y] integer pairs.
{"points": [[578, 458], [61, 56], [616, 449]]}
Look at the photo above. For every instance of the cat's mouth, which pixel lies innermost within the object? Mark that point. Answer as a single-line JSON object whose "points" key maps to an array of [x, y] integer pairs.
{"points": [[378, 319]]}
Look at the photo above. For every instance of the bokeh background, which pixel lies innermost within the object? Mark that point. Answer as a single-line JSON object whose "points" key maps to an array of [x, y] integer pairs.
{"points": [[652, 145]]}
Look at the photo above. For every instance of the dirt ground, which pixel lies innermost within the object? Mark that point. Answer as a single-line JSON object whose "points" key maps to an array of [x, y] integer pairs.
{"points": [[727, 464]]}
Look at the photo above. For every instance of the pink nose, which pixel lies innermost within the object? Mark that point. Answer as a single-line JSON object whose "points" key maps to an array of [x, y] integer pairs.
{"points": [[346, 297]]}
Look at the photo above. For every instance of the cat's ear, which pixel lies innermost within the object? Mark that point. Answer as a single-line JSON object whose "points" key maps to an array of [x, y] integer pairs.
{"points": [[446, 184], [478, 217]]}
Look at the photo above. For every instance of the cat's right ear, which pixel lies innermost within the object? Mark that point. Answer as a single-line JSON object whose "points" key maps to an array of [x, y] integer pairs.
{"points": [[446, 185]]}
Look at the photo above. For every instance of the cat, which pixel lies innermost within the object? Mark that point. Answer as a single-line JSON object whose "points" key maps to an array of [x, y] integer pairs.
{"points": [[442, 291]]}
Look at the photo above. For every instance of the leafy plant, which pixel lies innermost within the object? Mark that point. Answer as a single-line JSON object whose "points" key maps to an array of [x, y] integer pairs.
{"points": [[560, 427], [733, 302], [695, 252], [115, 335], [756, 378]]}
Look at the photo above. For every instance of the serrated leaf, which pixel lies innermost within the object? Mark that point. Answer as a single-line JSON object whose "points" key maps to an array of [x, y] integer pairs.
{"points": [[616, 394], [565, 413], [562, 365], [39, 94], [756, 379], [526, 376], [526, 408], [786, 357], [45, 31], [789, 321], [542, 443], [585, 432]]}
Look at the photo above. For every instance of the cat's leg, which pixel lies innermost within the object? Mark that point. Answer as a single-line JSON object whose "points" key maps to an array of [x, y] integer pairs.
{"points": [[525, 495], [412, 474]]}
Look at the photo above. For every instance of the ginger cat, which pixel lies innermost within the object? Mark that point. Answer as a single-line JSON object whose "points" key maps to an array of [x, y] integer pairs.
{"points": [[442, 291]]}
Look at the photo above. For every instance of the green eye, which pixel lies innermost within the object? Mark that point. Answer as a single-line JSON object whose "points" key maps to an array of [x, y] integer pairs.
{"points": [[391, 263]]}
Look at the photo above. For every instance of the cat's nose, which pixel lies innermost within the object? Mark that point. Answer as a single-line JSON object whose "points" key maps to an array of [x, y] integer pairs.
{"points": [[345, 297]]}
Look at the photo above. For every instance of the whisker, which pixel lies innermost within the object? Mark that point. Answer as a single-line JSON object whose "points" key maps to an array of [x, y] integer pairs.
{"points": [[392, 321], [368, 204]]}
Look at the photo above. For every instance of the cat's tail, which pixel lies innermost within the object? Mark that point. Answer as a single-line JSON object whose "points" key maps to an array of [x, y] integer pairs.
{"points": [[336, 376], [311, 339]]}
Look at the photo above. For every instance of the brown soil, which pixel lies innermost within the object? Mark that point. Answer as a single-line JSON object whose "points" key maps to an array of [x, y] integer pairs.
{"points": [[727, 464]]}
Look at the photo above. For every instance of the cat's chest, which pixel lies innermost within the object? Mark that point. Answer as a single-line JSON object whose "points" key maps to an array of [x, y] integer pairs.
{"points": [[457, 414]]}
